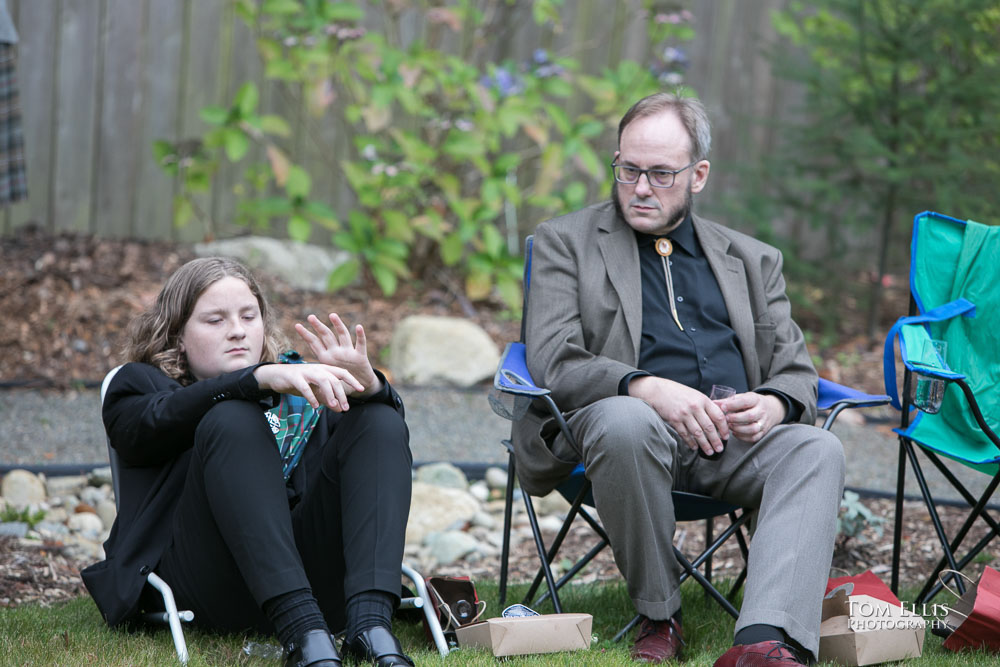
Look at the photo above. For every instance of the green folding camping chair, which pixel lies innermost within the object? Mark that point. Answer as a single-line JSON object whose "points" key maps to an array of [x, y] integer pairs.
{"points": [[954, 271]]}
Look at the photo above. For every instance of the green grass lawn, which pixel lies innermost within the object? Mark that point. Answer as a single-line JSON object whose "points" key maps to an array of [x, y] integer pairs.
{"points": [[74, 634]]}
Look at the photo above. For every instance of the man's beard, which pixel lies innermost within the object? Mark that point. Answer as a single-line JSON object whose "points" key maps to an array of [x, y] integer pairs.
{"points": [[682, 212]]}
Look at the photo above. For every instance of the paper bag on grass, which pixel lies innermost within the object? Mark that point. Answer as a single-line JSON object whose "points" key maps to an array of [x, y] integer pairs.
{"points": [[976, 615], [547, 633], [862, 630]]}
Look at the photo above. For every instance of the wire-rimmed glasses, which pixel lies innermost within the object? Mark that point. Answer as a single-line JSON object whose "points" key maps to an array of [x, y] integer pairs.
{"points": [[658, 178]]}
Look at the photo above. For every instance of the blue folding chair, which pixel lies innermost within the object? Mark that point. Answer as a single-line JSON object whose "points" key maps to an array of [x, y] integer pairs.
{"points": [[513, 380], [954, 269]]}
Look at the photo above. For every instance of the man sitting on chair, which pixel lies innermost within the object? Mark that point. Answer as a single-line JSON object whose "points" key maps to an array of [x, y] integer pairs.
{"points": [[637, 308]]}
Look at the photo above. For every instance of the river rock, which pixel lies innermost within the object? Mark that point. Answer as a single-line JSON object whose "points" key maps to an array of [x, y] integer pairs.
{"points": [[429, 350], [435, 508], [22, 488]]}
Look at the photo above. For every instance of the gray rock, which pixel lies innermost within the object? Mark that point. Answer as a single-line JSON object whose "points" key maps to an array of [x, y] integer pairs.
{"points": [[65, 486], [442, 474], [13, 529], [480, 491], [433, 508], [93, 496], [301, 265], [496, 478], [554, 503], [21, 488], [483, 520], [549, 524], [51, 528], [100, 476], [107, 511], [86, 524], [448, 547], [428, 350]]}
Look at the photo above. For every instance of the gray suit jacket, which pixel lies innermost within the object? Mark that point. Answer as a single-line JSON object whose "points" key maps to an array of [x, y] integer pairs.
{"points": [[584, 321]]}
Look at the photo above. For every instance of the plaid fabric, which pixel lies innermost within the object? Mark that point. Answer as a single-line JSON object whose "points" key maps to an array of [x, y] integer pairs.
{"points": [[292, 422], [13, 175]]}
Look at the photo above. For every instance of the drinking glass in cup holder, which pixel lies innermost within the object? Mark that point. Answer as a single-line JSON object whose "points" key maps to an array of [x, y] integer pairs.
{"points": [[927, 392]]}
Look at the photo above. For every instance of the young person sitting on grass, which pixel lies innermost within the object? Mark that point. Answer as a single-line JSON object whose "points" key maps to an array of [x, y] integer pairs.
{"points": [[263, 511]]}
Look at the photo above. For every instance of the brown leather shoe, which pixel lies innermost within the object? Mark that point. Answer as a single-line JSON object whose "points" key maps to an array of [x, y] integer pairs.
{"points": [[658, 641], [761, 654]]}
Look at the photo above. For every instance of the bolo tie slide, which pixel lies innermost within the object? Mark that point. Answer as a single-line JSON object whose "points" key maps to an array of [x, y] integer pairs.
{"points": [[664, 248]]}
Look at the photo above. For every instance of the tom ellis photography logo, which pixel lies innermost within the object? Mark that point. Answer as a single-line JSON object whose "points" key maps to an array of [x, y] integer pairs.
{"points": [[866, 615]]}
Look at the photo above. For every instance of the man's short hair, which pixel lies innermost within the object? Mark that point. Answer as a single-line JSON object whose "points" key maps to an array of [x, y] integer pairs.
{"points": [[689, 109]]}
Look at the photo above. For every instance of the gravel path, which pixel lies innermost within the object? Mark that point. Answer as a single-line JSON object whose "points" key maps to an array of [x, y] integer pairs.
{"points": [[46, 427]]}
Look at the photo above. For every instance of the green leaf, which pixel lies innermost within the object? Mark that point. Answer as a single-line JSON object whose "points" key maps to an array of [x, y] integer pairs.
{"points": [[237, 143], [343, 275], [299, 182], [557, 87], [463, 145], [247, 98], [162, 150], [183, 211], [493, 242], [214, 115], [510, 291], [347, 241], [344, 11], [385, 278], [451, 249], [299, 228], [397, 225], [281, 7], [275, 125]]}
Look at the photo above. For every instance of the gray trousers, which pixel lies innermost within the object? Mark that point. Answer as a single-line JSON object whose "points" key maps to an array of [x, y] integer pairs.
{"points": [[794, 477]]}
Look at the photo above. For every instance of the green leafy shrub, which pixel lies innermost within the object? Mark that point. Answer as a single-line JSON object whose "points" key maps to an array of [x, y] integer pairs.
{"points": [[445, 154]]}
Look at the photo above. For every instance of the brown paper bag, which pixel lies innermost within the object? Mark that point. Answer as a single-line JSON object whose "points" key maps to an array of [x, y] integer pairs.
{"points": [[863, 630]]}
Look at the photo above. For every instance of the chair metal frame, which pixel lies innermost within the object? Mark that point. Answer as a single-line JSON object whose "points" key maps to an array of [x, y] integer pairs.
{"points": [[173, 617], [514, 378], [907, 452]]}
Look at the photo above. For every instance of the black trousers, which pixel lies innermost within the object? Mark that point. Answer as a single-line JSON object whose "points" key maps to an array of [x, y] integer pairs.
{"points": [[241, 536]]}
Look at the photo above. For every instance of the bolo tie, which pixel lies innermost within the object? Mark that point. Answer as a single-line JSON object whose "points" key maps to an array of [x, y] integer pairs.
{"points": [[664, 248]]}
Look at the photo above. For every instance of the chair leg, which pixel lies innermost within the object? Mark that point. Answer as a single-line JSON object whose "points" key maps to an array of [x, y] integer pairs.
{"points": [[546, 569], [708, 540], [507, 512], [173, 618], [897, 529], [424, 602], [936, 520]]}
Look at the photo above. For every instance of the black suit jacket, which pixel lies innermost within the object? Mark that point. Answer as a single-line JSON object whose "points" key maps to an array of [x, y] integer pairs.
{"points": [[151, 421]]}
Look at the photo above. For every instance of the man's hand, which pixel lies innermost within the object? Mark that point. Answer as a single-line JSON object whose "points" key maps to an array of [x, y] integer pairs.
{"points": [[699, 422], [752, 415], [317, 383], [335, 348]]}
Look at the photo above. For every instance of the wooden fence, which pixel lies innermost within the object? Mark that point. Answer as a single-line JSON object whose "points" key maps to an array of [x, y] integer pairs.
{"points": [[101, 80]]}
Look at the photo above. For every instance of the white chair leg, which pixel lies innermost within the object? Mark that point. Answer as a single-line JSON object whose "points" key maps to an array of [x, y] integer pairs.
{"points": [[173, 617], [423, 601]]}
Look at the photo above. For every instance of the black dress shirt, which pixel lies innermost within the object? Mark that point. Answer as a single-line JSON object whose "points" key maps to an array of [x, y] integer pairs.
{"points": [[707, 351]]}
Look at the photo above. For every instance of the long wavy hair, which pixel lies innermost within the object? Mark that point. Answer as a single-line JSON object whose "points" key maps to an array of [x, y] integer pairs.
{"points": [[154, 336]]}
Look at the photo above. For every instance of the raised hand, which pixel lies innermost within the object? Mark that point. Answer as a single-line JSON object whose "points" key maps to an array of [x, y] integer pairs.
{"points": [[336, 348], [320, 384]]}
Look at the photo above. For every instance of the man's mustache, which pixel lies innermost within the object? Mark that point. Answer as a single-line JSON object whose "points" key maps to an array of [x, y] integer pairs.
{"points": [[650, 202]]}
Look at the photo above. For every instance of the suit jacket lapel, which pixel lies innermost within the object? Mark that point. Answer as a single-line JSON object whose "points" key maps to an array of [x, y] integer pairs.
{"points": [[621, 260], [731, 276]]}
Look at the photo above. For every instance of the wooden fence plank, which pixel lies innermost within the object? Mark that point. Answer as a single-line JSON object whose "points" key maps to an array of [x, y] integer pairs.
{"points": [[119, 126], [201, 88], [163, 38], [36, 62]]}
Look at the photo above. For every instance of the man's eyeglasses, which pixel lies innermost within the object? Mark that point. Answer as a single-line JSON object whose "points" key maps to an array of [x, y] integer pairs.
{"points": [[658, 178]]}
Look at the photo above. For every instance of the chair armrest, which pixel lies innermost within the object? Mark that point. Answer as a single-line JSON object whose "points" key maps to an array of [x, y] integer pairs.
{"points": [[904, 329], [832, 394], [837, 397], [513, 377]]}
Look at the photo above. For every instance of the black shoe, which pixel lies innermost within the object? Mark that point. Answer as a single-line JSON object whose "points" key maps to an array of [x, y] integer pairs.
{"points": [[377, 646], [312, 648]]}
